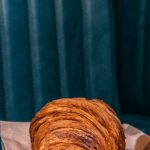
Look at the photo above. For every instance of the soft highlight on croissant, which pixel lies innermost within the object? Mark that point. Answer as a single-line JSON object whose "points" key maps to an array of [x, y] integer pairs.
{"points": [[76, 124]]}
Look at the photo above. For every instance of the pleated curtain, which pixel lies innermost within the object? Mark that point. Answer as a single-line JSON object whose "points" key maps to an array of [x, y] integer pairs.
{"points": [[74, 48]]}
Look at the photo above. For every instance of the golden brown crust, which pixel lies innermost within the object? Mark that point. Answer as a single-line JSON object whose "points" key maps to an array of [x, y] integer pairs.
{"points": [[76, 124]]}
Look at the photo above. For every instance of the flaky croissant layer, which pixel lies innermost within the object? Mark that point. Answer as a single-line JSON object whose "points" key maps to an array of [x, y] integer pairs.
{"points": [[76, 124]]}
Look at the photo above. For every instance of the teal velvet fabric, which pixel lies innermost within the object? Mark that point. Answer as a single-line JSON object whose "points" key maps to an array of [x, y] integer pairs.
{"points": [[75, 48]]}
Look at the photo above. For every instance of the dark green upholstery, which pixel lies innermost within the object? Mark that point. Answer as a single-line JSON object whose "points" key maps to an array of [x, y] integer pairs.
{"points": [[69, 48]]}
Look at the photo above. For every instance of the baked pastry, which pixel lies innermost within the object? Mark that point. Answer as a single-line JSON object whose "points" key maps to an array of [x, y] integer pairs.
{"points": [[76, 124]]}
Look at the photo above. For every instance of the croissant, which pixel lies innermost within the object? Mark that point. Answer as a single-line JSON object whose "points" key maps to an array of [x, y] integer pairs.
{"points": [[76, 124]]}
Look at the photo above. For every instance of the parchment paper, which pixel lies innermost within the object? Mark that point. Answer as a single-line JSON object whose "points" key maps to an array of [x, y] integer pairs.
{"points": [[15, 136]]}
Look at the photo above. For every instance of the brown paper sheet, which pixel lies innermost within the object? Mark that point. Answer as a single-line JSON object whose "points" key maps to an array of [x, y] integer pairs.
{"points": [[15, 136]]}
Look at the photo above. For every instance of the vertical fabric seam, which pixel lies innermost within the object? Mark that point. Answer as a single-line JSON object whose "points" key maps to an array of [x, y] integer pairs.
{"points": [[1, 27], [8, 94], [33, 32], [58, 5], [114, 59], [141, 46], [87, 47]]}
